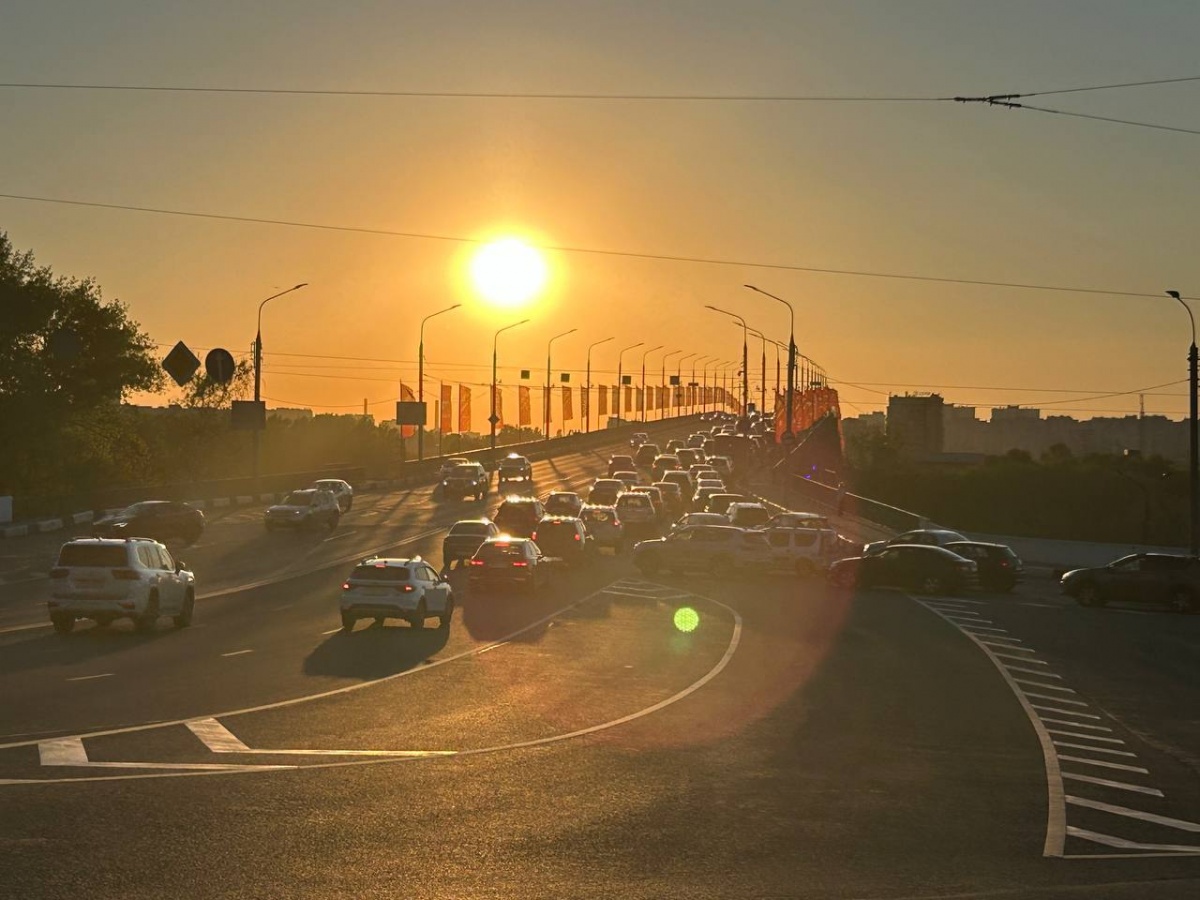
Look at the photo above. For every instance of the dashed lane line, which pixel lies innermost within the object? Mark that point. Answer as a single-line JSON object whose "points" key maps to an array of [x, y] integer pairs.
{"points": [[237, 653], [91, 677]]}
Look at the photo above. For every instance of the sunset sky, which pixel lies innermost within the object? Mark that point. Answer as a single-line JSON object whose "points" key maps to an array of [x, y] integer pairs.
{"points": [[910, 188]]}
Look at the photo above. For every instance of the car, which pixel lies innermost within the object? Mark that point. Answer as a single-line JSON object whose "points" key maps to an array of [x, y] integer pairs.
{"points": [[629, 479], [514, 468], [704, 490], [687, 457], [382, 588], [508, 562], [105, 579], [805, 551], [449, 465], [639, 438], [719, 503], [672, 497], [663, 463], [565, 538], [341, 490], [718, 549], [792, 519], [703, 470], [518, 516], [620, 462], [695, 440], [603, 526], [926, 568], [999, 567], [563, 503], [307, 508], [469, 479], [684, 480], [646, 455], [1164, 578], [699, 518], [464, 538], [605, 491], [675, 444], [637, 514], [656, 497], [934, 537], [747, 515], [162, 520]]}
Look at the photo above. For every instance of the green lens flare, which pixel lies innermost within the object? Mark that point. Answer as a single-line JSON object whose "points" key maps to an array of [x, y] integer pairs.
{"points": [[686, 619]]}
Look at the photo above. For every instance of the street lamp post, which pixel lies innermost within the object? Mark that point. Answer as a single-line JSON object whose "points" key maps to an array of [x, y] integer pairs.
{"points": [[421, 377], [762, 387], [680, 395], [492, 419], [791, 370], [621, 381], [1193, 435], [258, 371], [703, 370], [546, 400], [644, 355], [587, 420], [663, 381], [745, 359]]}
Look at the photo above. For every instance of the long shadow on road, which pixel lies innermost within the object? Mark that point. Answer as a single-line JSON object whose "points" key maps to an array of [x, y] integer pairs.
{"points": [[375, 652]]}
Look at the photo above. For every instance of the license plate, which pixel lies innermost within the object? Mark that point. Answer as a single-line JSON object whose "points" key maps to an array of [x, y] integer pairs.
{"points": [[376, 592]]}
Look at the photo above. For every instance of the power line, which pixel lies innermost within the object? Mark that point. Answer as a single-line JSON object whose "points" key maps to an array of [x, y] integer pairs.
{"points": [[595, 251], [1079, 115], [986, 387], [1110, 87]]}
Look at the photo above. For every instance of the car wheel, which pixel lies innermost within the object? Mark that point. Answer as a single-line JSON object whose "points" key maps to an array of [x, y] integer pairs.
{"points": [[64, 623], [930, 584], [1182, 600], [447, 614], [349, 506], [649, 563], [1088, 595], [417, 619], [347, 622], [148, 619], [333, 523], [184, 619]]}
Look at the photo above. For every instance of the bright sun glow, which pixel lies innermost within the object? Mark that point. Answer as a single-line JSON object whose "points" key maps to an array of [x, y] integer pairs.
{"points": [[508, 273]]}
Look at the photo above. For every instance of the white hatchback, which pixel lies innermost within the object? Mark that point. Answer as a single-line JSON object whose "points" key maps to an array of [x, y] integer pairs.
{"points": [[104, 579], [383, 588]]}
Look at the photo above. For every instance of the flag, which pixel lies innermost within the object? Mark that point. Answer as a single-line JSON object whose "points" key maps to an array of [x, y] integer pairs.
{"points": [[407, 396], [568, 412], [603, 398], [628, 398], [447, 423], [498, 404], [585, 402], [464, 408], [523, 414], [615, 405]]}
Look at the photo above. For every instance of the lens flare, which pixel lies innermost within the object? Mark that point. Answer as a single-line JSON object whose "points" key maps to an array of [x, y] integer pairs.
{"points": [[687, 619]]}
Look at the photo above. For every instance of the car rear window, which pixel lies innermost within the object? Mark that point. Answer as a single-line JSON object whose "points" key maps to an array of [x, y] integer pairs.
{"points": [[472, 528], [596, 515], [298, 498], [638, 501], [101, 556], [379, 573], [492, 552]]}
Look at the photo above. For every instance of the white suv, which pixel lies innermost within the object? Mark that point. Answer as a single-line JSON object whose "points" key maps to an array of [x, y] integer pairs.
{"points": [[104, 579], [409, 589]]}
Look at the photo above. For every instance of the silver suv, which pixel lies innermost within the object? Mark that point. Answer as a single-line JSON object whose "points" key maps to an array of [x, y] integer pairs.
{"points": [[104, 579]]}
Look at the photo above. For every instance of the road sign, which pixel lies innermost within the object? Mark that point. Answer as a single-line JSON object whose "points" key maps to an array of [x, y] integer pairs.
{"points": [[674, 379], [410, 412], [493, 419], [181, 364], [249, 415], [218, 364], [564, 377], [626, 379], [525, 373]]}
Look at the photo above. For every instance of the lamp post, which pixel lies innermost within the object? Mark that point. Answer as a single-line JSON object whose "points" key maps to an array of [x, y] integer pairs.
{"points": [[762, 387], [546, 401], [745, 359], [421, 377], [663, 381], [258, 369], [791, 370], [620, 379], [696, 362], [644, 355], [681, 395], [1193, 436], [493, 419], [587, 420]]}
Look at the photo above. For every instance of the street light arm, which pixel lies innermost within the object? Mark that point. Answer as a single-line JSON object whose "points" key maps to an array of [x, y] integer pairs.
{"points": [[598, 343], [1174, 295], [273, 296]]}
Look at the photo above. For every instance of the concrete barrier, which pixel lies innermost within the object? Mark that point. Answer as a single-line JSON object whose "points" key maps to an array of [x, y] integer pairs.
{"points": [[11, 531], [47, 525], [221, 502], [80, 517], [244, 500]]}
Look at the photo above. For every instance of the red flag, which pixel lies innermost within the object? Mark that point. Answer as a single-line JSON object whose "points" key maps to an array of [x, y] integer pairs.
{"points": [[523, 414], [568, 412], [498, 403], [603, 398], [464, 408], [585, 402], [628, 398], [407, 396], [447, 423]]}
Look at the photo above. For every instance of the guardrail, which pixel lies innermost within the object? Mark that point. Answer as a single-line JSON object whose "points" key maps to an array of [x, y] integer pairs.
{"points": [[834, 500]]}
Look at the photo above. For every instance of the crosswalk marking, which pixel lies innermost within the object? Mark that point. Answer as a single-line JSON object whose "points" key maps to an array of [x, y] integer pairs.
{"points": [[1109, 841], [1180, 824], [1119, 785]]}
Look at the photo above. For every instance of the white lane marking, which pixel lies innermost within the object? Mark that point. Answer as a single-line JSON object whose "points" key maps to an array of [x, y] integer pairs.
{"points": [[219, 739], [340, 534], [1064, 712], [961, 600], [989, 642], [1122, 844], [491, 647], [63, 752], [330, 631], [1045, 687], [216, 737], [978, 620], [91, 677], [1119, 785], [1083, 737], [1041, 605], [237, 652], [1091, 748], [1070, 724], [1022, 659], [1008, 639], [282, 608], [1103, 763], [1054, 698], [1039, 672], [974, 628]]}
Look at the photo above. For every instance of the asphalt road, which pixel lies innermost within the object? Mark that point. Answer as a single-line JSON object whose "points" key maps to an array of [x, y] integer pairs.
{"points": [[799, 742]]}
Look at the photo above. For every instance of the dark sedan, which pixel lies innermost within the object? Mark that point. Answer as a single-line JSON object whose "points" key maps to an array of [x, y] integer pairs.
{"points": [[161, 520], [1000, 569], [916, 567], [508, 562], [1141, 578]]}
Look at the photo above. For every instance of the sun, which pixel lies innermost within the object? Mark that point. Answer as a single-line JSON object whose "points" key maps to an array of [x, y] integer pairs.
{"points": [[508, 273]]}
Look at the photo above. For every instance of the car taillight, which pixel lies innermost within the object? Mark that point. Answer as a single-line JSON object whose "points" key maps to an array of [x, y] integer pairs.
{"points": [[125, 574], [577, 537], [406, 588], [59, 573], [616, 523], [521, 564], [477, 562], [345, 586], [533, 537], [1004, 563]]}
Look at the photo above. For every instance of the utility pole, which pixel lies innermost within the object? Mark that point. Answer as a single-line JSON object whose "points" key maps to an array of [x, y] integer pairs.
{"points": [[1193, 435]]}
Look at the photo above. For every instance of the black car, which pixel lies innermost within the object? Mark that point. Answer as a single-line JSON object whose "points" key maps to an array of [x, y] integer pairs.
{"points": [[915, 567], [999, 568], [645, 455], [464, 538], [565, 538], [935, 537], [514, 469], [563, 503], [161, 520], [465, 480], [508, 562], [518, 516], [1173, 580], [621, 462]]}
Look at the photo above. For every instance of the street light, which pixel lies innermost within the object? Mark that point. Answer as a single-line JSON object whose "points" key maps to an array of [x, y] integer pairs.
{"points": [[620, 379], [745, 359], [421, 378], [644, 355], [1193, 435], [791, 371], [493, 419], [762, 386], [546, 434], [703, 370], [587, 420], [258, 369], [681, 395], [663, 382]]}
